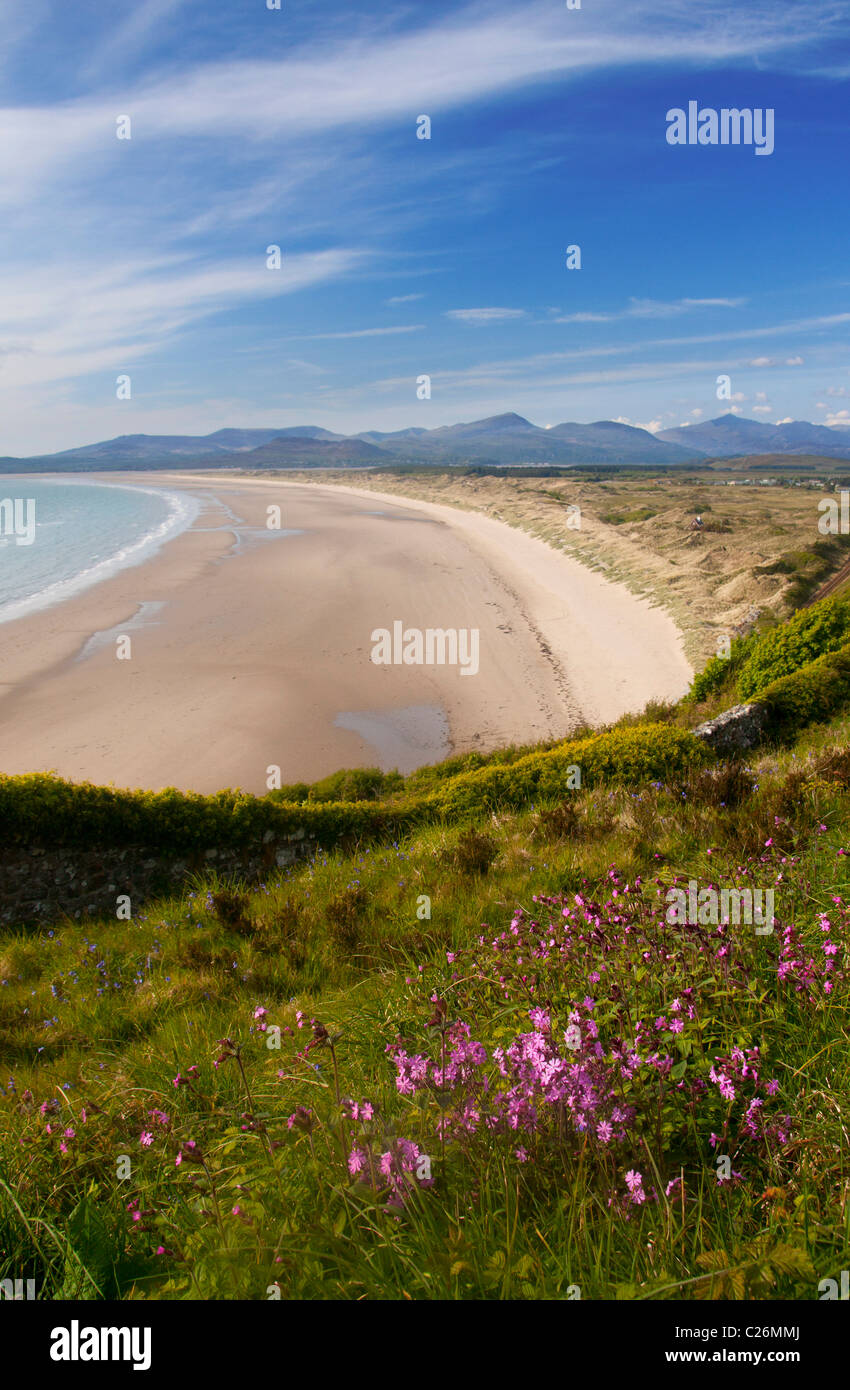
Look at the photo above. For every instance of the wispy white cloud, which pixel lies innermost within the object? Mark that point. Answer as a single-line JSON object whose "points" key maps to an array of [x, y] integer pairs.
{"points": [[650, 309], [483, 316], [130, 36], [364, 332], [812, 324], [503, 379], [536, 365], [114, 315], [381, 76]]}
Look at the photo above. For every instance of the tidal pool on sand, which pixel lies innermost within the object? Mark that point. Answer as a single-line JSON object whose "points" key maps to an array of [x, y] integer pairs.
{"points": [[403, 738]]}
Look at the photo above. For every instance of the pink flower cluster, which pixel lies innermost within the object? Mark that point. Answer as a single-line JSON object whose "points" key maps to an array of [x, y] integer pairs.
{"points": [[636, 1195], [574, 1080], [398, 1171], [358, 1112], [458, 1070], [738, 1079], [799, 966], [617, 1044]]}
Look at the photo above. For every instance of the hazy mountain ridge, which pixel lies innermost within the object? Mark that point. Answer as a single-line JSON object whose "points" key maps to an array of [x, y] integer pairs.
{"points": [[731, 435], [507, 439], [511, 439]]}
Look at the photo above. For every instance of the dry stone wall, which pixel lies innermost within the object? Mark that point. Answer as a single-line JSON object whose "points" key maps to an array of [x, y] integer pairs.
{"points": [[40, 883]]}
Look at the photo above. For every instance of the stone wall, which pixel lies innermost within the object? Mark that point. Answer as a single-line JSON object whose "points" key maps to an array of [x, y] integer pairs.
{"points": [[737, 730], [41, 883]]}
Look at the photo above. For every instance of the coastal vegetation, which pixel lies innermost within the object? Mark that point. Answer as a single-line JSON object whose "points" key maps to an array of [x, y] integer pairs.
{"points": [[461, 1052]]}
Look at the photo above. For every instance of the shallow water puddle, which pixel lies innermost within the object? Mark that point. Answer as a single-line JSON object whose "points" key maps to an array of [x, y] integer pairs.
{"points": [[404, 738]]}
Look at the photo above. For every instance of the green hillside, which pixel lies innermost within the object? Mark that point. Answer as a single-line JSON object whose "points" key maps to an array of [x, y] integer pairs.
{"points": [[464, 1051]]}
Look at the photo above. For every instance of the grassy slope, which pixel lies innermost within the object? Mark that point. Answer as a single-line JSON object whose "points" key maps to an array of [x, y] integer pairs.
{"points": [[101, 1018]]}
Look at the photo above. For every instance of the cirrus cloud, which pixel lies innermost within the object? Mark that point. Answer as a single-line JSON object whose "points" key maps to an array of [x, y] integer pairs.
{"points": [[483, 316]]}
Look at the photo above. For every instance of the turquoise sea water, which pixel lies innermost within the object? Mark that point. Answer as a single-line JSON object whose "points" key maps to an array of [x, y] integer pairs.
{"points": [[60, 537]]}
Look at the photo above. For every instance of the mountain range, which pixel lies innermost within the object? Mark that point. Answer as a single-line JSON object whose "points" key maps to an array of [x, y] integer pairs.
{"points": [[732, 435], [507, 439]]}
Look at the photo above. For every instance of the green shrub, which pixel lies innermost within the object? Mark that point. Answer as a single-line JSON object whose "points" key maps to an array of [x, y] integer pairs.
{"points": [[42, 809], [645, 753], [637, 514], [808, 635], [473, 853], [295, 792], [718, 670], [814, 693], [437, 774], [38, 808], [356, 784]]}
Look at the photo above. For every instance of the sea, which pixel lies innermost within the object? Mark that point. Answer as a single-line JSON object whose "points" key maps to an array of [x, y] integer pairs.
{"points": [[61, 536]]}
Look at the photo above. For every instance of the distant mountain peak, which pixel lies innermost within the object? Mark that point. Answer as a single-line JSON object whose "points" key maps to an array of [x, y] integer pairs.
{"points": [[510, 420], [730, 435]]}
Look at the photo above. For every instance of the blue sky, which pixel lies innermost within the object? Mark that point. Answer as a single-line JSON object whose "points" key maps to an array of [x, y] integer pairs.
{"points": [[401, 256]]}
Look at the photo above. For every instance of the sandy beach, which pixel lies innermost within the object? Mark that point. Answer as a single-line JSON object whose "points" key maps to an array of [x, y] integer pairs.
{"points": [[251, 648]]}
